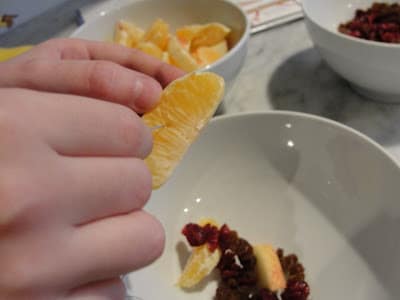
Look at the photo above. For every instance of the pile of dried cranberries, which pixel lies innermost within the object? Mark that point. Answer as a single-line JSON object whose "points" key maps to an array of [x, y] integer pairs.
{"points": [[239, 282], [380, 23]]}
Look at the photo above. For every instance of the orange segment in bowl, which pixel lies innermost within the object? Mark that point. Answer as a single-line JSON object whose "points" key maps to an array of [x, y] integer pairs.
{"points": [[209, 35], [158, 33], [200, 264], [150, 49], [208, 55], [186, 33], [186, 105], [180, 57], [127, 34]]}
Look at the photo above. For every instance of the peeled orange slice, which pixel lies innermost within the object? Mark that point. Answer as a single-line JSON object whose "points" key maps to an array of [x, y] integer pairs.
{"points": [[127, 34], [209, 35], [201, 263], [186, 105], [208, 55], [186, 33], [180, 57], [150, 49], [158, 33]]}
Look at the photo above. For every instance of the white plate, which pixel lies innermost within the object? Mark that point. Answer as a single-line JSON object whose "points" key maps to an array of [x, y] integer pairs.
{"points": [[309, 185]]}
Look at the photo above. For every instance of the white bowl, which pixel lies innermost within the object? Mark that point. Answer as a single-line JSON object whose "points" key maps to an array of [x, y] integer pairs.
{"points": [[372, 68], [307, 184], [100, 24]]}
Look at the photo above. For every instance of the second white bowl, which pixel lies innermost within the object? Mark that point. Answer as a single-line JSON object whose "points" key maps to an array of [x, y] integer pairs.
{"points": [[372, 68]]}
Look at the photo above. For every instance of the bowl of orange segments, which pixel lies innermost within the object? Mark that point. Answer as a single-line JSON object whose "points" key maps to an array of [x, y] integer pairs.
{"points": [[209, 35], [283, 179]]}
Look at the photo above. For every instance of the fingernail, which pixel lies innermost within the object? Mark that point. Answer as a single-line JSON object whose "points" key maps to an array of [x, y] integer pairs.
{"points": [[147, 94]]}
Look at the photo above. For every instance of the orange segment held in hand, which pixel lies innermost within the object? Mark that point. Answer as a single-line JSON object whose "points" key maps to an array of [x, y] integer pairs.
{"points": [[186, 105]]}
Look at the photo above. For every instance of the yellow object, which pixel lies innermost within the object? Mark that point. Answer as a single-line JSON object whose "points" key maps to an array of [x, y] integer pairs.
{"points": [[187, 33], [269, 269], [201, 261], [180, 57], [200, 264], [209, 35], [127, 34], [150, 49], [8, 53], [208, 55], [158, 33], [186, 105], [205, 221], [165, 58]]}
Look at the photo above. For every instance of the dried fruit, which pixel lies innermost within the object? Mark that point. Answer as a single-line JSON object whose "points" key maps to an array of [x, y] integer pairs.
{"points": [[380, 22], [291, 266], [296, 290]]}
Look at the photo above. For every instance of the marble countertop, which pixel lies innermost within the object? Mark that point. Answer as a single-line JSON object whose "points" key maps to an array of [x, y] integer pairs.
{"points": [[282, 72]]}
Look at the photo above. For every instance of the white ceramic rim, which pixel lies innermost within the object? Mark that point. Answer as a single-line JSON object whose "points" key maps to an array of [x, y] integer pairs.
{"points": [[326, 121], [345, 36], [94, 15]]}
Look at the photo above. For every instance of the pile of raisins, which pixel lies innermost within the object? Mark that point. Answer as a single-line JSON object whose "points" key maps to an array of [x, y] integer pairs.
{"points": [[237, 266], [380, 23]]}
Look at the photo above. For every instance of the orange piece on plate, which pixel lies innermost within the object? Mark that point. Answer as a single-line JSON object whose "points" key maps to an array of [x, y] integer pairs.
{"points": [[150, 49], [185, 107], [209, 35], [200, 264], [158, 33], [201, 261], [269, 269], [180, 57]]}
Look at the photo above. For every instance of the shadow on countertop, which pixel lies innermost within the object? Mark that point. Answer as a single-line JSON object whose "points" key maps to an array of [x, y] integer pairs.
{"points": [[305, 83]]}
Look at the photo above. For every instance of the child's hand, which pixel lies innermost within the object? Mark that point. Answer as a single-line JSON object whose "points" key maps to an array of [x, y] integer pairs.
{"points": [[72, 179]]}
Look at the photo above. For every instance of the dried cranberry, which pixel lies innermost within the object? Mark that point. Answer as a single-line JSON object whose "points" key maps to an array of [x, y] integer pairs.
{"points": [[194, 234], [379, 23], [197, 235], [267, 295], [296, 290], [211, 234]]}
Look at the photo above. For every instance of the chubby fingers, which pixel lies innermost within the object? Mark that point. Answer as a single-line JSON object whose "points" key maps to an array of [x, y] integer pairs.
{"points": [[130, 58], [113, 246], [111, 289], [80, 126], [98, 79], [103, 187]]}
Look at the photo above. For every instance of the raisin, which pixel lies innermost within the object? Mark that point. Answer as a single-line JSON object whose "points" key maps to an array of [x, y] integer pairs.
{"points": [[296, 290], [381, 23]]}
